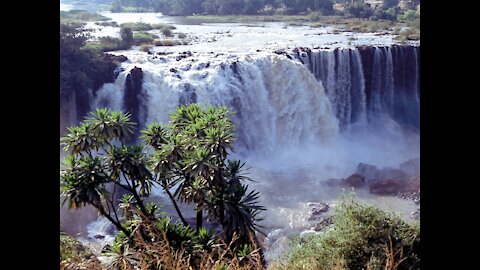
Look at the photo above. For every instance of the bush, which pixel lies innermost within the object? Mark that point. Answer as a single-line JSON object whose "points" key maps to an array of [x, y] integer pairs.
{"points": [[143, 37], [81, 16], [408, 16], [145, 48], [74, 255], [168, 42], [314, 16], [126, 34], [362, 237], [137, 26], [163, 26], [167, 32], [182, 35], [358, 10], [112, 23]]}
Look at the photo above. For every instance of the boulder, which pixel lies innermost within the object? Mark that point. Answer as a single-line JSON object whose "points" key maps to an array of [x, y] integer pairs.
{"points": [[333, 182], [370, 172], [412, 185], [322, 224], [355, 180], [387, 187], [317, 210], [392, 173], [411, 167]]}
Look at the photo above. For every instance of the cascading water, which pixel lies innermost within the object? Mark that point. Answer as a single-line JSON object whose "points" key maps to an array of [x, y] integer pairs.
{"points": [[368, 82], [271, 109], [302, 117]]}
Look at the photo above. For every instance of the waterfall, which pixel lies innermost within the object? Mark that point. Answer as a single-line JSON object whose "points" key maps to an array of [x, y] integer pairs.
{"points": [[307, 97], [368, 82], [276, 101]]}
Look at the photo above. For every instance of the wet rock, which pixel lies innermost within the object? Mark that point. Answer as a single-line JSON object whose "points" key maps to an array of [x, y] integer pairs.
{"points": [[411, 167], [115, 58], [117, 71], [333, 182], [392, 173], [416, 215], [187, 67], [370, 172], [316, 210], [387, 187], [99, 236], [355, 180], [173, 70], [322, 224], [412, 185]]}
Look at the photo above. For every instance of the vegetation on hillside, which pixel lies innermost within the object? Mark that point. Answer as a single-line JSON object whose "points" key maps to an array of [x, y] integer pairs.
{"points": [[191, 154], [362, 237], [388, 10], [82, 68]]}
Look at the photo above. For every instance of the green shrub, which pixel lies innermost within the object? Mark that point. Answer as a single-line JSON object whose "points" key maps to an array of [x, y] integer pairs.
{"points": [[112, 23], [167, 32], [163, 26], [81, 16], [143, 37], [137, 26], [166, 42], [362, 235], [182, 35], [314, 16]]}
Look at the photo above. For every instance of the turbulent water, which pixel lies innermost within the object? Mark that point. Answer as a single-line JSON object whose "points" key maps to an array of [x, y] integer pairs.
{"points": [[303, 115]]}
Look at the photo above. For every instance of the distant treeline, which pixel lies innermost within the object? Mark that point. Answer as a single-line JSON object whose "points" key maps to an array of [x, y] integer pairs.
{"points": [[385, 10], [227, 7]]}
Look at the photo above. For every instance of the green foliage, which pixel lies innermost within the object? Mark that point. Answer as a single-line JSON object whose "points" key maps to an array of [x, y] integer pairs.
{"points": [[361, 235], [390, 3], [358, 10], [167, 32], [191, 152], [182, 35], [143, 37], [126, 35], [81, 67], [137, 26], [112, 24], [81, 16], [71, 249]]}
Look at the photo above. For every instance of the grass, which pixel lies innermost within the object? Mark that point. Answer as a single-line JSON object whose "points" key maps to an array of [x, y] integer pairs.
{"points": [[362, 237], [81, 16]]}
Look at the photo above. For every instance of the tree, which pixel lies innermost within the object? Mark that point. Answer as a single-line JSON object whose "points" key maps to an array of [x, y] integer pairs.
{"points": [[190, 152], [126, 35], [390, 3]]}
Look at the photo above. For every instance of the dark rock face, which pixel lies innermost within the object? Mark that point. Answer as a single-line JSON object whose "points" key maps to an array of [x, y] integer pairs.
{"points": [[355, 180], [370, 172], [392, 173], [411, 167], [317, 210], [133, 95], [116, 58], [323, 223], [387, 187], [317, 214]]}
